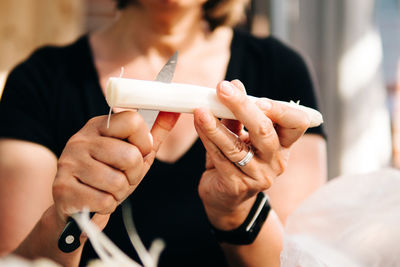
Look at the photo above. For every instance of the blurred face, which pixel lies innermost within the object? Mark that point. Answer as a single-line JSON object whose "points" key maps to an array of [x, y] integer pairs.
{"points": [[169, 11], [171, 3]]}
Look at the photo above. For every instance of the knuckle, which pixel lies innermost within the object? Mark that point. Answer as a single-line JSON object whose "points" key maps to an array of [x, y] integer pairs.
{"points": [[131, 156], [241, 189], [119, 186], [134, 121], [280, 164], [106, 202], [120, 196], [59, 188], [78, 140], [204, 190], [267, 183], [239, 192], [215, 128], [134, 176], [108, 210], [238, 147], [265, 179], [92, 122], [64, 163], [266, 128], [134, 180]]}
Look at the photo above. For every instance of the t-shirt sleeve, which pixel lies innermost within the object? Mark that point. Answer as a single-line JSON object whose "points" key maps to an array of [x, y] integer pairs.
{"points": [[295, 81], [24, 105]]}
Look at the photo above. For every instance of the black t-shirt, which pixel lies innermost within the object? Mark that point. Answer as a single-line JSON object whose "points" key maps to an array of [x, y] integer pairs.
{"points": [[50, 96]]}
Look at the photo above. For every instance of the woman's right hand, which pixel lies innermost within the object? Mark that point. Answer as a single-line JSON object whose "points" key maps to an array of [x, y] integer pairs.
{"points": [[100, 167]]}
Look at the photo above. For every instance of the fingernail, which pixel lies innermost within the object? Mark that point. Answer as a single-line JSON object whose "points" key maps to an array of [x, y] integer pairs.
{"points": [[227, 88], [264, 105]]}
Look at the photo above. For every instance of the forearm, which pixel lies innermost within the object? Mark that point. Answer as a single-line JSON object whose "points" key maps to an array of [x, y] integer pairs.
{"points": [[264, 251], [43, 239]]}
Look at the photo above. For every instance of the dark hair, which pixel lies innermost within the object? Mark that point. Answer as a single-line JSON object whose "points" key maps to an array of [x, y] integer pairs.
{"points": [[216, 12]]}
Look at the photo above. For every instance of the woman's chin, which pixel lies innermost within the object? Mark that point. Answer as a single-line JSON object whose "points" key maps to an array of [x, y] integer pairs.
{"points": [[173, 3]]}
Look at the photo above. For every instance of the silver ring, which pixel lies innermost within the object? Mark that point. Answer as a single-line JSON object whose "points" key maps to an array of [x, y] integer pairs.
{"points": [[246, 158]]}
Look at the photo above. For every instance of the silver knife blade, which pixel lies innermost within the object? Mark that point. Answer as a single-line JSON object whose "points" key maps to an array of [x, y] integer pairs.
{"points": [[165, 75], [167, 72]]}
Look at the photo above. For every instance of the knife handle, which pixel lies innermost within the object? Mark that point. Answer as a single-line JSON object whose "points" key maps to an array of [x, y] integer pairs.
{"points": [[69, 239]]}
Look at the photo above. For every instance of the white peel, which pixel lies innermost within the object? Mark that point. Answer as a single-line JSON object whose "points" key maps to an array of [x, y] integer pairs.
{"points": [[178, 97]]}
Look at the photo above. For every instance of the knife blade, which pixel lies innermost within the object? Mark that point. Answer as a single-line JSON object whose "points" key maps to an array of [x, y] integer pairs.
{"points": [[165, 75], [69, 238]]}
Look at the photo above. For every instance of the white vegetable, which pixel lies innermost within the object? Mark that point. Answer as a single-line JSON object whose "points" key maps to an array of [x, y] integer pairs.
{"points": [[176, 97]]}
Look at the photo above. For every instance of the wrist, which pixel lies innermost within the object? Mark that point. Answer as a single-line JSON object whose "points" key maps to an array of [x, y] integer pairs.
{"points": [[231, 217], [248, 231], [42, 241]]}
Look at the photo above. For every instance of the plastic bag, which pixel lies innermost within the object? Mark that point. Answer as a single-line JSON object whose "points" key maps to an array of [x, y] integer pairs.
{"points": [[17, 261], [352, 221]]}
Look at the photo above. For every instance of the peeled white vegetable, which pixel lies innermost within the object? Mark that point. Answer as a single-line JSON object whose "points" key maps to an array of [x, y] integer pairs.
{"points": [[176, 97]]}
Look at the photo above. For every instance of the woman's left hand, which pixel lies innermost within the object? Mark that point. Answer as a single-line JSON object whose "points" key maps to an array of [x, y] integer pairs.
{"points": [[227, 190]]}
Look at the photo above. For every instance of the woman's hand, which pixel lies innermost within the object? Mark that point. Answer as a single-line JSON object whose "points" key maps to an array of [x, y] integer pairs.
{"points": [[226, 189], [100, 166]]}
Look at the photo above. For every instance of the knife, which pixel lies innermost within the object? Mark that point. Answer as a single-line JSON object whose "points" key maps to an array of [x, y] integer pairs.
{"points": [[69, 238], [165, 75]]}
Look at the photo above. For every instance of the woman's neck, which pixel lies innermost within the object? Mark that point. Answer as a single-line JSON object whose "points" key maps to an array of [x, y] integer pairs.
{"points": [[149, 31]]}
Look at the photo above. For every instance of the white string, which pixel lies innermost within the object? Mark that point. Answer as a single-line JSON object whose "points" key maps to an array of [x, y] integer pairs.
{"points": [[109, 113], [107, 251], [109, 117], [149, 258]]}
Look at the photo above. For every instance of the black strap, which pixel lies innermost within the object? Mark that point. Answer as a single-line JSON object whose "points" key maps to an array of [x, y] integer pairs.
{"points": [[247, 232]]}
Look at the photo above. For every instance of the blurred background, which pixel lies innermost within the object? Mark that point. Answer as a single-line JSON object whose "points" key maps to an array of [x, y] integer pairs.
{"points": [[352, 47]]}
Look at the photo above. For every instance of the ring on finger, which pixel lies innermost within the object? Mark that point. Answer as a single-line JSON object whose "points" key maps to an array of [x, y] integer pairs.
{"points": [[246, 159]]}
